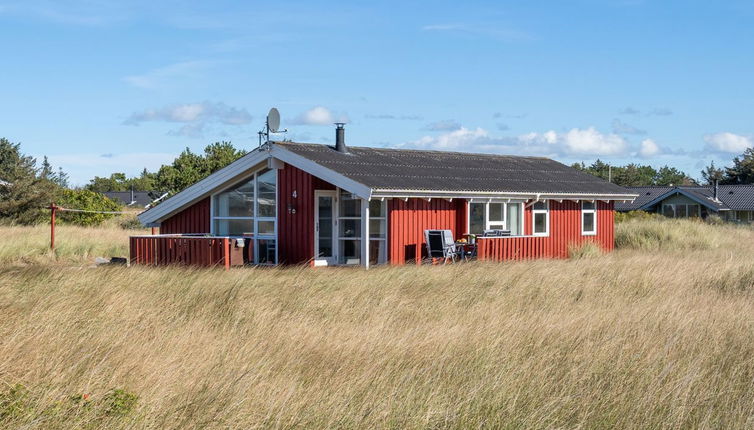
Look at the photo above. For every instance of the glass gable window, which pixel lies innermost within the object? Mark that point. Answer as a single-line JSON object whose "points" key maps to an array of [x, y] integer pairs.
{"points": [[496, 216], [588, 218], [540, 219], [681, 210], [248, 209]]}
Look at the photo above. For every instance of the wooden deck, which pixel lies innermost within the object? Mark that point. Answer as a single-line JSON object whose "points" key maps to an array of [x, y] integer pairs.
{"points": [[163, 250]]}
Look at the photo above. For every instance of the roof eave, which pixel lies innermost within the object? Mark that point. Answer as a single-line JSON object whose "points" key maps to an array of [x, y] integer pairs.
{"points": [[387, 193]]}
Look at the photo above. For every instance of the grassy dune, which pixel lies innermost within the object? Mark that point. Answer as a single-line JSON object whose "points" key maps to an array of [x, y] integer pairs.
{"points": [[659, 334]]}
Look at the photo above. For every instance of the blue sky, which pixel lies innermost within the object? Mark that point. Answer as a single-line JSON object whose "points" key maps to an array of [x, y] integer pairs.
{"points": [[104, 86]]}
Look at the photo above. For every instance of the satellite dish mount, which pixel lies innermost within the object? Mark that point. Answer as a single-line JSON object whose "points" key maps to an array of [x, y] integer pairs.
{"points": [[271, 125]]}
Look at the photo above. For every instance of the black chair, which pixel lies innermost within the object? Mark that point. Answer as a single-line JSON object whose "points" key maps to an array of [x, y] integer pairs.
{"points": [[440, 244]]}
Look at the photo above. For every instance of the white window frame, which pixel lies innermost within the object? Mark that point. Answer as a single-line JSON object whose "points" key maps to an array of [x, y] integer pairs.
{"points": [[381, 259], [254, 219], [360, 238], [487, 223], [534, 213], [589, 211]]}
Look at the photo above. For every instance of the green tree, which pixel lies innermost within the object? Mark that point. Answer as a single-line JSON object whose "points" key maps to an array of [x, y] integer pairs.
{"points": [[635, 175], [710, 174], [116, 182], [667, 175], [24, 192], [189, 168], [742, 171], [86, 200]]}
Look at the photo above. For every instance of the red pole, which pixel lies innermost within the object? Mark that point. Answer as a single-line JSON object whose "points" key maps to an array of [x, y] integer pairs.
{"points": [[53, 209], [226, 245], [154, 231]]}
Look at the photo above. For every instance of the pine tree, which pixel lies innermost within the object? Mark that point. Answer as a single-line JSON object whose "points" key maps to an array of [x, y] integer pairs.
{"points": [[25, 192], [710, 174], [742, 171]]}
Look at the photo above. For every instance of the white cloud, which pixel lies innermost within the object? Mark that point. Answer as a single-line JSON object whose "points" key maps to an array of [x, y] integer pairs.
{"points": [[163, 75], [444, 125], [195, 116], [492, 31], [574, 142], [319, 115], [728, 142], [649, 149], [620, 127], [456, 139], [82, 167], [660, 112], [591, 141], [391, 116]]}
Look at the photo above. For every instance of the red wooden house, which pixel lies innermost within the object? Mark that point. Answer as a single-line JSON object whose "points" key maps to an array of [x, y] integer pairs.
{"points": [[293, 203]]}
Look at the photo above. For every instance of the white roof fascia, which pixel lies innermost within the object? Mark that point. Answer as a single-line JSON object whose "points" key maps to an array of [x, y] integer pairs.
{"points": [[379, 193], [321, 172], [241, 166], [203, 187]]}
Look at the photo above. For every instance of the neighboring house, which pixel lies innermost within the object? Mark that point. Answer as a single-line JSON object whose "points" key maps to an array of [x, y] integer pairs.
{"points": [[733, 203], [329, 205], [133, 198]]}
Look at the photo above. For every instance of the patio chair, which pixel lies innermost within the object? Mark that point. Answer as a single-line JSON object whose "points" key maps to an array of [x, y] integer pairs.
{"points": [[440, 244]]}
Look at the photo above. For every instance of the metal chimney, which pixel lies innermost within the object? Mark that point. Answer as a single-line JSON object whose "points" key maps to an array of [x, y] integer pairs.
{"points": [[340, 137], [714, 192]]}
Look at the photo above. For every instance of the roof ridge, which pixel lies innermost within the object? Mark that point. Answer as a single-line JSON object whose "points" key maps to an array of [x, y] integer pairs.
{"points": [[392, 149]]}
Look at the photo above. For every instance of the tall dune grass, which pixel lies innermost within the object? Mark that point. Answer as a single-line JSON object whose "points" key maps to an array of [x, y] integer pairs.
{"points": [[31, 244], [640, 338]]}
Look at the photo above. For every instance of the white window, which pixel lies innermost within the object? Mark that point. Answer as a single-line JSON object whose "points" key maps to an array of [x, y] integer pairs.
{"points": [[349, 228], [496, 216], [377, 232], [540, 218], [249, 209], [588, 218]]}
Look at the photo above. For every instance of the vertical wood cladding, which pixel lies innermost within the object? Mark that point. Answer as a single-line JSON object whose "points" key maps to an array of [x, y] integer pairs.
{"points": [[296, 214], [565, 232], [407, 221], [193, 219]]}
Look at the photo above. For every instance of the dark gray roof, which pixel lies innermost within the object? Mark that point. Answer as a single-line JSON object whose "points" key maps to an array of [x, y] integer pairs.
{"points": [[737, 197], [729, 197], [404, 169], [646, 195], [141, 198]]}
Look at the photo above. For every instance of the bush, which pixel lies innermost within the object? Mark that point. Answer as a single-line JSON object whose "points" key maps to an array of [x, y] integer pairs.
{"points": [[119, 402], [129, 222], [668, 234], [86, 200], [638, 215], [714, 220], [14, 403], [585, 250]]}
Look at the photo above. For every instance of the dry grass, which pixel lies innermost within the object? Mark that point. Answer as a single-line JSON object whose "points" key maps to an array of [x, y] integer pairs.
{"points": [[635, 339], [31, 245]]}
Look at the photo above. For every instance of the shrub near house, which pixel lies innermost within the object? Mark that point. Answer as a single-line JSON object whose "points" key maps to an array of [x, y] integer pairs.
{"points": [[88, 201]]}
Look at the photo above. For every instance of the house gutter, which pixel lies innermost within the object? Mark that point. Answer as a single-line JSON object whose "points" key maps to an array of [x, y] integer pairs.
{"points": [[386, 193]]}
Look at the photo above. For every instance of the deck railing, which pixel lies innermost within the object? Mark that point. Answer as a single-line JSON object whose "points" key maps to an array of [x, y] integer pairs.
{"points": [[515, 248], [163, 250]]}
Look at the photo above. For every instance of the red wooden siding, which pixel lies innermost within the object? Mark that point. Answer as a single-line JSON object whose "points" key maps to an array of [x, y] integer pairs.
{"points": [[296, 230], [565, 232], [165, 250], [407, 221], [193, 219]]}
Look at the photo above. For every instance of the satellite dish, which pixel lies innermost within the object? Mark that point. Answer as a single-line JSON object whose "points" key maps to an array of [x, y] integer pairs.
{"points": [[273, 120]]}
